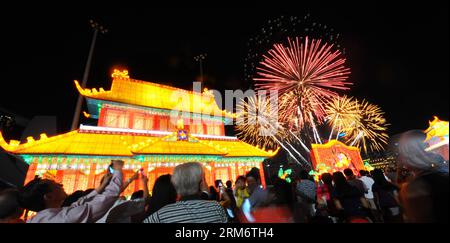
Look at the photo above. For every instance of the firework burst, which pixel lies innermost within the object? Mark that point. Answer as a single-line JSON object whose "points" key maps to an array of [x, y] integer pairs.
{"points": [[342, 113], [305, 74], [369, 133], [277, 30], [257, 122]]}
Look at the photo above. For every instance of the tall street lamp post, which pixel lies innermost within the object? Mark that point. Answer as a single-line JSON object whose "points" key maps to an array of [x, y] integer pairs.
{"points": [[97, 28], [200, 59]]}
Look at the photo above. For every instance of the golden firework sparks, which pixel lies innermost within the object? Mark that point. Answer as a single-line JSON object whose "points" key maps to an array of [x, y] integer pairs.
{"points": [[369, 133], [257, 122]]}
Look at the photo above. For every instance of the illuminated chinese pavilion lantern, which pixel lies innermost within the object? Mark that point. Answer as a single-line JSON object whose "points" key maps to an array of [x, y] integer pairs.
{"points": [[437, 137], [335, 156], [134, 123]]}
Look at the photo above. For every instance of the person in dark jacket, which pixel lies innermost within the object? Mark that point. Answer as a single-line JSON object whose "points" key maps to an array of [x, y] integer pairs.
{"points": [[386, 197], [425, 197]]}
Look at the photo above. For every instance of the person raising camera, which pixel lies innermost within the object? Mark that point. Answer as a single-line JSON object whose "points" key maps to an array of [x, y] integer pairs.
{"points": [[47, 196]]}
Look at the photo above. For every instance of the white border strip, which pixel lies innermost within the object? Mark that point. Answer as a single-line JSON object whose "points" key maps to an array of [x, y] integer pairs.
{"points": [[113, 129], [150, 132], [213, 136]]}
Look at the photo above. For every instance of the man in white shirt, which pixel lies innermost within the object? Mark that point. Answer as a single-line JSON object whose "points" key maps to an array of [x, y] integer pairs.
{"points": [[368, 182]]}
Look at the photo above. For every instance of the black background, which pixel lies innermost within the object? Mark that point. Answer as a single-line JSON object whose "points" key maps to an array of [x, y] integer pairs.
{"points": [[398, 53], [166, 232]]}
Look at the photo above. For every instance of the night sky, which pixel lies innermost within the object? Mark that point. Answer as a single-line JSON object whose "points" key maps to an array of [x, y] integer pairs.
{"points": [[398, 55]]}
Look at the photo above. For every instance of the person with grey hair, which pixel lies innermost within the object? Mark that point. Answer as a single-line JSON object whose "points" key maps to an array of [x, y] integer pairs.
{"points": [[424, 198], [189, 182]]}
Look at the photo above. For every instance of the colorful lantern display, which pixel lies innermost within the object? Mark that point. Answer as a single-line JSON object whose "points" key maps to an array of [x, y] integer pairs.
{"points": [[151, 127]]}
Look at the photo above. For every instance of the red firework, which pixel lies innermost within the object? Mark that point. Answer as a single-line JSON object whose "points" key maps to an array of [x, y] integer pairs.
{"points": [[305, 74]]}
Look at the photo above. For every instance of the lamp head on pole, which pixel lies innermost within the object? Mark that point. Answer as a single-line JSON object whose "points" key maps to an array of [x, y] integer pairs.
{"points": [[200, 57], [98, 27]]}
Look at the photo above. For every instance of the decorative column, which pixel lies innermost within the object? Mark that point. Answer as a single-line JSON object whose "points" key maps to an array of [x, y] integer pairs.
{"points": [[156, 122], [144, 166], [130, 119], [151, 174], [205, 127], [59, 176], [213, 171], [230, 175], [261, 173], [102, 117], [91, 176], [207, 169], [222, 129]]}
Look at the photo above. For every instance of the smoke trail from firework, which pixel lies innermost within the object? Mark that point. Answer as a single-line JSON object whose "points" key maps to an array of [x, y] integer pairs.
{"points": [[290, 153], [300, 141], [305, 74]]}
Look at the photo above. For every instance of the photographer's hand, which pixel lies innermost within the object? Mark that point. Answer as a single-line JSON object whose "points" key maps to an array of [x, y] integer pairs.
{"points": [[144, 180], [131, 179], [104, 182]]}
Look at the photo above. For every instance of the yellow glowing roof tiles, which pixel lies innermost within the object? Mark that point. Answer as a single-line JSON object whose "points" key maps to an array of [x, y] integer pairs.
{"points": [[142, 93], [169, 145], [78, 143], [332, 143], [236, 148], [438, 129], [104, 144]]}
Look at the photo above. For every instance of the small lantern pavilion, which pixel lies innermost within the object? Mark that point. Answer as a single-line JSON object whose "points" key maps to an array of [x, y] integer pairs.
{"points": [[335, 156], [437, 137]]}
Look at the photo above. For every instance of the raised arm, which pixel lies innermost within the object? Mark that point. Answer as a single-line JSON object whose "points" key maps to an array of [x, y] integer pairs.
{"points": [[93, 209], [129, 180], [144, 180], [104, 183]]}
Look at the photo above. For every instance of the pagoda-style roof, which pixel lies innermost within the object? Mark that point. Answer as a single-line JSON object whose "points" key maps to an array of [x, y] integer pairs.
{"points": [[146, 94], [437, 129], [237, 148], [96, 141], [171, 145], [79, 143], [333, 143]]}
